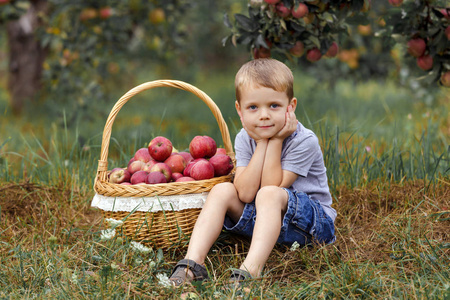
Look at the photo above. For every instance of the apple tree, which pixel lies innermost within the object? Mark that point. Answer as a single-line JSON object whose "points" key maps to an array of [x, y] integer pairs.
{"points": [[75, 46], [306, 31]]}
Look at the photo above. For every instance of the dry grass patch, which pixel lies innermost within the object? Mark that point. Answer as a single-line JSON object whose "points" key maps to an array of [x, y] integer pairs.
{"points": [[392, 241]]}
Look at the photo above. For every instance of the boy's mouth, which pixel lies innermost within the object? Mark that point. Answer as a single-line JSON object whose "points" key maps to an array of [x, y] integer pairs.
{"points": [[265, 126]]}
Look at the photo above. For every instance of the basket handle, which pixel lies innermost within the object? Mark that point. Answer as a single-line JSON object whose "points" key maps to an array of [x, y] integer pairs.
{"points": [[103, 162]]}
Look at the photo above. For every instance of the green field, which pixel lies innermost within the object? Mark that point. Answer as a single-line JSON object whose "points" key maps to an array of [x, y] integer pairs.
{"points": [[387, 154]]}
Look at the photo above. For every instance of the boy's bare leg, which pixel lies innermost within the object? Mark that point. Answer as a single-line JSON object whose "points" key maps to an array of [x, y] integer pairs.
{"points": [[271, 204], [222, 200]]}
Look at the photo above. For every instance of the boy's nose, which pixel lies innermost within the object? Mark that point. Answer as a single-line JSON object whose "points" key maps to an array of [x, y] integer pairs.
{"points": [[264, 114]]}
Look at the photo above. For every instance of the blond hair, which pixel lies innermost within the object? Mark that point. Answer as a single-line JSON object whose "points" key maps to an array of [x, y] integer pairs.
{"points": [[265, 72]]}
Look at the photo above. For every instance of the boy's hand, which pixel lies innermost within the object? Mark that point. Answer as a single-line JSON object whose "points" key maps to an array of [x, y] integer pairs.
{"points": [[252, 134], [289, 126]]}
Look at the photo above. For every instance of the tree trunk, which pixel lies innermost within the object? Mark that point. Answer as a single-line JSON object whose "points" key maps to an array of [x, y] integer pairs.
{"points": [[26, 56]]}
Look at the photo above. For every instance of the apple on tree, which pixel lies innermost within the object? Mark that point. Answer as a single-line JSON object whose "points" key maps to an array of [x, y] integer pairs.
{"points": [[300, 10], [313, 54], [333, 50], [416, 47], [425, 62]]}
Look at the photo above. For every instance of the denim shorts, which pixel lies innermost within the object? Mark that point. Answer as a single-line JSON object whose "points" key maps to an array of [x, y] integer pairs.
{"points": [[304, 222]]}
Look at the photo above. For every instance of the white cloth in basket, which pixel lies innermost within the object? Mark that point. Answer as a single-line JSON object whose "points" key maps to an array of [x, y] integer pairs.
{"points": [[149, 204]]}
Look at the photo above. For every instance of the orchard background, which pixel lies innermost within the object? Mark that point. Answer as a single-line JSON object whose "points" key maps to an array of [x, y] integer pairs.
{"points": [[372, 79]]}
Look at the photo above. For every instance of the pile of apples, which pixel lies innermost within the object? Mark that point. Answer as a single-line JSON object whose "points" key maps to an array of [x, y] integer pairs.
{"points": [[161, 163]]}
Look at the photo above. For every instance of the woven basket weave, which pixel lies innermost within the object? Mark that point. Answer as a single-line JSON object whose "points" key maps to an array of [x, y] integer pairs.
{"points": [[164, 228]]}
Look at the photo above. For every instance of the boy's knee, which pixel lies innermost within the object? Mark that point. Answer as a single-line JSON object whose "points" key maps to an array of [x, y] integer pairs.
{"points": [[272, 195], [222, 190], [224, 187]]}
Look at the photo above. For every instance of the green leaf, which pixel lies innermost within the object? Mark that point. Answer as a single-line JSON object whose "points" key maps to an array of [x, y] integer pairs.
{"points": [[315, 41], [246, 23], [260, 41], [328, 17], [226, 21]]}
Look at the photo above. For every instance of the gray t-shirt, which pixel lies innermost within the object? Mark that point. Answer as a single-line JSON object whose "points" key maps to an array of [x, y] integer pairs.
{"points": [[301, 154]]}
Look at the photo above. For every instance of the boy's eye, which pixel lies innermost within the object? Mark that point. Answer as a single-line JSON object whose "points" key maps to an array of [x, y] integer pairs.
{"points": [[252, 107], [274, 105]]}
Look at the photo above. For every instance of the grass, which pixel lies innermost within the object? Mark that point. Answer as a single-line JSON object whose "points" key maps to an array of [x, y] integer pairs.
{"points": [[387, 158]]}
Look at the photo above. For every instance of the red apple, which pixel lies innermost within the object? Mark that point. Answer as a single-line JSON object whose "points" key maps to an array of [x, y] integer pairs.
{"points": [[313, 55], [105, 12], [176, 163], [185, 178], [176, 176], [222, 164], [136, 166], [416, 47], [139, 177], [445, 79], [301, 10], [261, 52], [188, 168], [446, 13], [202, 146], [282, 11], [126, 183], [447, 32], [221, 151], [155, 177], [425, 62], [202, 170], [187, 156], [272, 1], [163, 168], [298, 49], [160, 148], [148, 166], [212, 146], [333, 50], [131, 160], [119, 175], [142, 155], [396, 2]]}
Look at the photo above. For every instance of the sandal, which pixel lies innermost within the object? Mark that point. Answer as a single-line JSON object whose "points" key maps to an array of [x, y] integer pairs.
{"points": [[180, 273], [238, 275]]}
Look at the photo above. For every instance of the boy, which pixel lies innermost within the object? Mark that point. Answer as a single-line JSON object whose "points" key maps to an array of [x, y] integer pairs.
{"points": [[280, 191]]}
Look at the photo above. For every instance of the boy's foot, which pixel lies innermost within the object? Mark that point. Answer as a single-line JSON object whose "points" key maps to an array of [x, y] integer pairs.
{"points": [[186, 271]]}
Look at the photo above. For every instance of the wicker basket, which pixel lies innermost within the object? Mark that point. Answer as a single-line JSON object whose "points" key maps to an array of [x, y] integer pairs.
{"points": [[164, 228]]}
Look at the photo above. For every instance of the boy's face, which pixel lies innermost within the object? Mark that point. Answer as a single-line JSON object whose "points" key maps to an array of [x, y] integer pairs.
{"points": [[263, 110]]}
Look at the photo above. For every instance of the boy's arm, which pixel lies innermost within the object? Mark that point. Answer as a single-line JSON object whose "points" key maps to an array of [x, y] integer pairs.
{"points": [[272, 173], [247, 180]]}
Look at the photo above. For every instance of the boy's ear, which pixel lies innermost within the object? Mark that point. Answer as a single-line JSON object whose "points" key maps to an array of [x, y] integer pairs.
{"points": [[293, 103], [238, 108]]}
